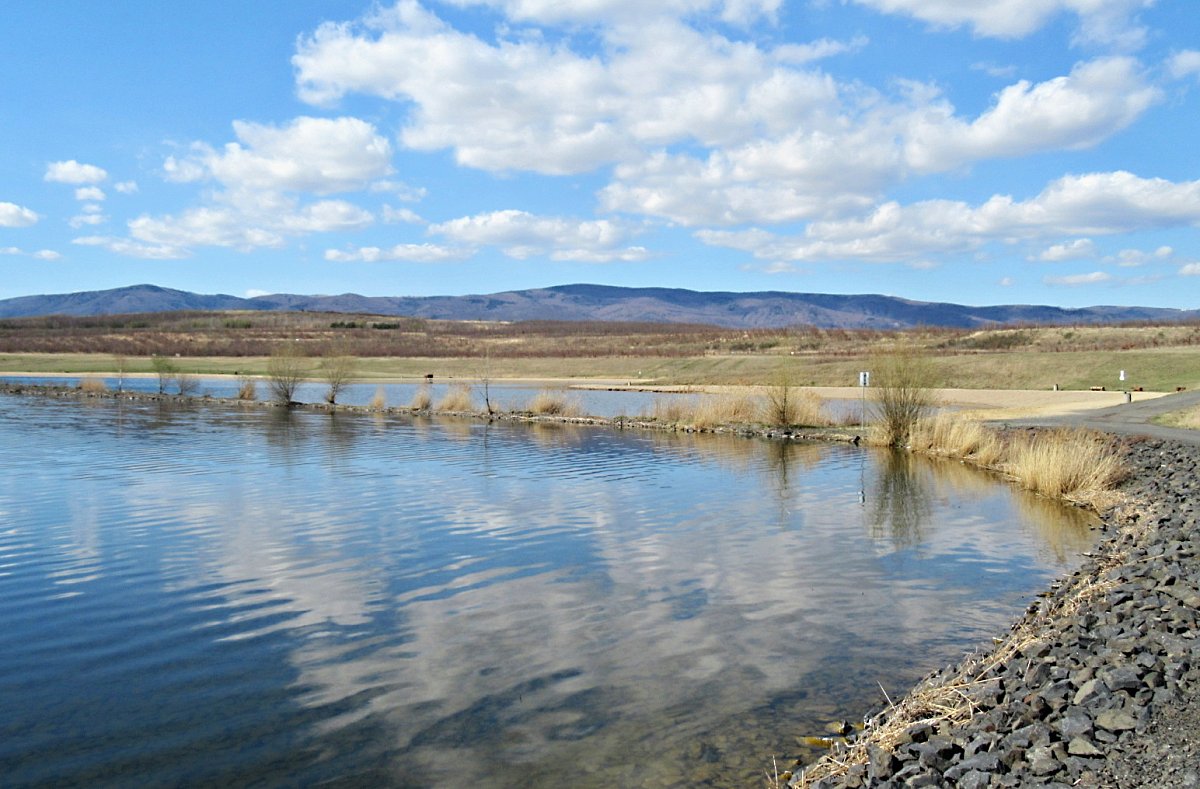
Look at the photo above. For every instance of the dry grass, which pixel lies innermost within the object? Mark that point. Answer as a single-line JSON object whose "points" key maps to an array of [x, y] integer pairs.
{"points": [[1074, 464], [785, 405], [90, 385], [422, 399], [953, 436], [457, 398], [725, 409], [247, 388], [378, 400], [1188, 420], [547, 403]]}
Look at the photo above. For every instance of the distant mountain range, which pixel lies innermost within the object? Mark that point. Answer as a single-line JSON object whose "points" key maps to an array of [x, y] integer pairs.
{"points": [[604, 303]]}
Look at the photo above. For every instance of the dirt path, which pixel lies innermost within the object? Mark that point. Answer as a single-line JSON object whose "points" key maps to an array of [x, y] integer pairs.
{"points": [[1129, 418]]}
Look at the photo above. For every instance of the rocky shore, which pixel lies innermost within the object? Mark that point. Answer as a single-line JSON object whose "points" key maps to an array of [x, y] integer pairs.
{"points": [[1097, 685]]}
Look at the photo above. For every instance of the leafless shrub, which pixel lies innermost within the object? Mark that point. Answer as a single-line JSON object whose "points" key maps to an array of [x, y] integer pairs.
{"points": [[285, 371]]}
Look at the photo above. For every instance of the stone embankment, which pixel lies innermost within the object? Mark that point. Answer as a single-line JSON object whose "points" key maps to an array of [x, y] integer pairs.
{"points": [[1097, 685]]}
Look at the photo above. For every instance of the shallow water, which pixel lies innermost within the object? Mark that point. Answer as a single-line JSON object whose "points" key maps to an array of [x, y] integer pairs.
{"points": [[206, 596]]}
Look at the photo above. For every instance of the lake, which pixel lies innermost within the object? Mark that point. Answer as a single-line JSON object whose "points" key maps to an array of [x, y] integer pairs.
{"points": [[212, 596]]}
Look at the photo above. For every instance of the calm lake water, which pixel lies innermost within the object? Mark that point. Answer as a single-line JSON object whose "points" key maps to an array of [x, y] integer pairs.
{"points": [[206, 596]]}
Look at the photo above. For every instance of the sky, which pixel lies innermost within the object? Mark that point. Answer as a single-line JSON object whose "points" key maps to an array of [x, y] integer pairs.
{"points": [[971, 151]]}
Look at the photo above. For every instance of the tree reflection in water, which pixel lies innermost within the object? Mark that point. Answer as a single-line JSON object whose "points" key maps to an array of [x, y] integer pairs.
{"points": [[900, 505]]}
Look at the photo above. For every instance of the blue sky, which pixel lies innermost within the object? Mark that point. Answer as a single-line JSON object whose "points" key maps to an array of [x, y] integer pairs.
{"points": [[975, 151]]}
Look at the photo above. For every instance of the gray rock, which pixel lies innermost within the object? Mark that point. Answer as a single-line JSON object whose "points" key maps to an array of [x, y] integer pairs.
{"points": [[1116, 721]]}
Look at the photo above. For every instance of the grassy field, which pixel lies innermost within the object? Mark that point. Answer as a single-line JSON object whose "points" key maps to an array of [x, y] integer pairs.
{"points": [[1161, 369], [1189, 420], [1157, 358]]}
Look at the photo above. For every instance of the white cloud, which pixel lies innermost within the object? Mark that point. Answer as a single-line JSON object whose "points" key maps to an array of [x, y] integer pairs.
{"points": [[626, 12], [1076, 205], [87, 219], [1101, 21], [412, 253], [254, 293], [13, 215], [1132, 258], [1076, 111], [1184, 64], [523, 235], [401, 215], [89, 193], [126, 187], [124, 246], [1006, 282], [1071, 250], [531, 105], [320, 155], [1076, 280], [1190, 270], [702, 129], [72, 172], [402, 191], [41, 254]]}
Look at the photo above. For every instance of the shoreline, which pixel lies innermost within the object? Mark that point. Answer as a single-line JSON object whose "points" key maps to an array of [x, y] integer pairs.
{"points": [[1075, 693]]}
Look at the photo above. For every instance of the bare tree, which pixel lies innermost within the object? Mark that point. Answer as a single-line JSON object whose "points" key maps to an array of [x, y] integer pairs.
{"points": [[337, 370], [165, 369], [285, 371], [121, 362], [187, 383]]}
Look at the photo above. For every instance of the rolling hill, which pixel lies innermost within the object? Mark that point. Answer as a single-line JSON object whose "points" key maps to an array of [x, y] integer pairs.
{"points": [[601, 302]]}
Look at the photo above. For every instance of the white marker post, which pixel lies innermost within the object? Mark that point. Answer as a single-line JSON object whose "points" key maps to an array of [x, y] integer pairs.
{"points": [[864, 380]]}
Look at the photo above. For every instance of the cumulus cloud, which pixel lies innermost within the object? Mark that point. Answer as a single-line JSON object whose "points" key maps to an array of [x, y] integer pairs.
{"points": [[626, 12], [523, 235], [1075, 111], [528, 104], [1101, 21], [72, 172], [319, 155], [13, 215], [401, 215], [94, 193], [87, 219], [41, 254], [1190, 270], [1133, 258], [411, 253], [1071, 250], [126, 187], [1076, 205], [130, 248], [1075, 280], [1184, 64]]}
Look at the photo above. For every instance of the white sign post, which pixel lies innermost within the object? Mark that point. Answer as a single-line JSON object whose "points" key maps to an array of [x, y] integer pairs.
{"points": [[864, 380]]}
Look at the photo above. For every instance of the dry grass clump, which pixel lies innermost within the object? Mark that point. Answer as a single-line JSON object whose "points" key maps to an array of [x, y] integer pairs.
{"points": [[953, 436], [247, 388], [378, 401], [672, 409], [547, 403], [422, 399], [725, 409], [457, 398], [91, 385], [785, 406], [1065, 463]]}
